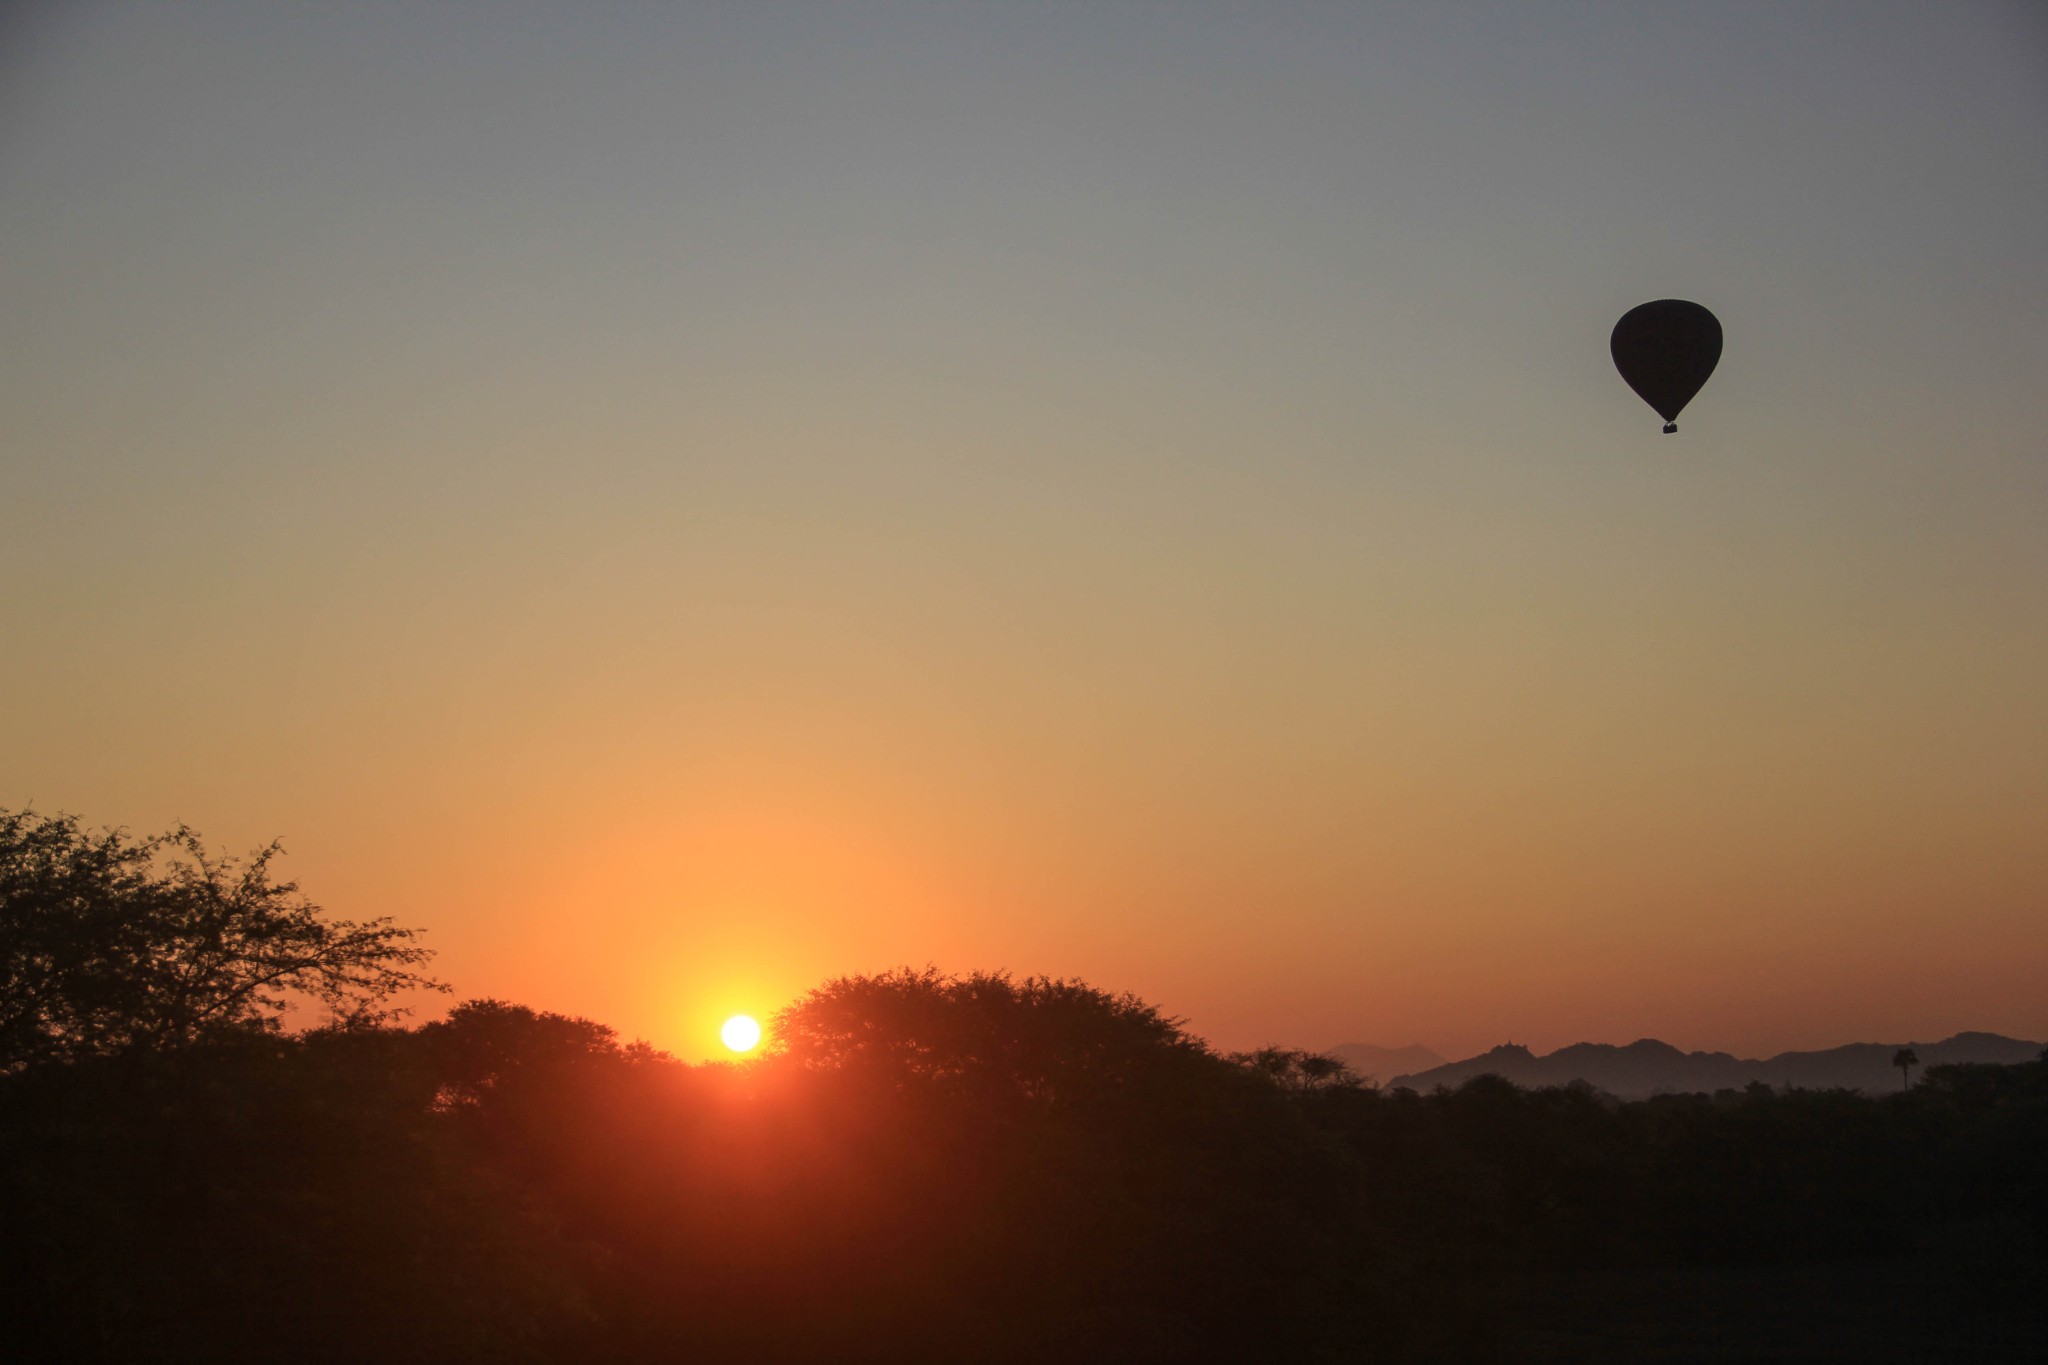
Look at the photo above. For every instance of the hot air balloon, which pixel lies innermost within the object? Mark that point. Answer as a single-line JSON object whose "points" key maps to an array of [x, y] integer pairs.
{"points": [[1666, 350]]}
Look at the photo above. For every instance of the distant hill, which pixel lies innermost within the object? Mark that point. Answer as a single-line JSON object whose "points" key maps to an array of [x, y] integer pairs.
{"points": [[1379, 1063], [1647, 1067]]}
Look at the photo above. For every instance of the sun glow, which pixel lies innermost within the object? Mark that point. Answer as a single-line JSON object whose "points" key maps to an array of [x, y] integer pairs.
{"points": [[741, 1033]]}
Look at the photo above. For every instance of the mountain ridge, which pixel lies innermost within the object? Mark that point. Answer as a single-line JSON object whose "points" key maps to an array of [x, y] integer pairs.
{"points": [[1649, 1066]]}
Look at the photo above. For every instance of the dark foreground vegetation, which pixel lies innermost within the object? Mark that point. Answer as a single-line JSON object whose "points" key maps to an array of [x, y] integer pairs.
{"points": [[927, 1168]]}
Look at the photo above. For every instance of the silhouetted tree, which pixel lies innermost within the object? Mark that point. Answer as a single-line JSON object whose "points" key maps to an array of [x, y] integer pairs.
{"points": [[1296, 1070], [1905, 1059], [1037, 1038], [1064, 1173], [113, 945], [485, 1047]]}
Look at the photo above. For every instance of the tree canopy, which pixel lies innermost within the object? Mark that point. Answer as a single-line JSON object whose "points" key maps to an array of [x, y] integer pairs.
{"points": [[111, 944], [1040, 1037]]}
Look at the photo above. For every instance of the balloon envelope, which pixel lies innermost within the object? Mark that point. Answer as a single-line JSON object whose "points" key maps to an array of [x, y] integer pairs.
{"points": [[1666, 350]]}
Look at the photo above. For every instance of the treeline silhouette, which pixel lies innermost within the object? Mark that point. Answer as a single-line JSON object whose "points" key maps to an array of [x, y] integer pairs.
{"points": [[925, 1168]]}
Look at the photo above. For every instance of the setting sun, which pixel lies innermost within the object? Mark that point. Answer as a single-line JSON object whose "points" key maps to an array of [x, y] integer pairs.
{"points": [[741, 1033]]}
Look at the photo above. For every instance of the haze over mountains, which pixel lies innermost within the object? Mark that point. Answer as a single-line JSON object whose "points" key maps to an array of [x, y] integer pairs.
{"points": [[1649, 1067], [1380, 1063]]}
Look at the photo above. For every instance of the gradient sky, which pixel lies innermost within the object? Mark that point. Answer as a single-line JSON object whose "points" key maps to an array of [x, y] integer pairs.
{"points": [[686, 501]]}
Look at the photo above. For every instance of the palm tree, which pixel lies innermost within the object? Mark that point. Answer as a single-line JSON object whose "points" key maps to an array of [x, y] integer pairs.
{"points": [[1905, 1059]]}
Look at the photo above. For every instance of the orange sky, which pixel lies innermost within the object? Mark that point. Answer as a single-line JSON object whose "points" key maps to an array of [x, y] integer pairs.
{"points": [[706, 502]]}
